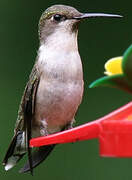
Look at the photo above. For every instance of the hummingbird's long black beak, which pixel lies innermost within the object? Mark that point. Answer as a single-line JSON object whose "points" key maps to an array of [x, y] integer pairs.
{"points": [[94, 15]]}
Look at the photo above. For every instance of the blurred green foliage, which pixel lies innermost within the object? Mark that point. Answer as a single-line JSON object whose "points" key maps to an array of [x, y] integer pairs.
{"points": [[99, 40]]}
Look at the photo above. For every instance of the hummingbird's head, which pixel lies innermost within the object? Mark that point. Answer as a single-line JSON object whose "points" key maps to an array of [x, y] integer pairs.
{"points": [[58, 18], [61, 18]]}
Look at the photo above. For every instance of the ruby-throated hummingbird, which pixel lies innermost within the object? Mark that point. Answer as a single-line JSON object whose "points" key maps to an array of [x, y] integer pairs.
{"points": [[55, 87]]}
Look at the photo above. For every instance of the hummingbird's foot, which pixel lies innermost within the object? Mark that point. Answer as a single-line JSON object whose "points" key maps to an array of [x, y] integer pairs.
{"points": [[70, 125], [44, 128]]}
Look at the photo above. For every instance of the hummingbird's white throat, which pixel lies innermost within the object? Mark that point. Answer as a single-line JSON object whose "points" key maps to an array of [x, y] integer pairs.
{"points": [[62, 38]]}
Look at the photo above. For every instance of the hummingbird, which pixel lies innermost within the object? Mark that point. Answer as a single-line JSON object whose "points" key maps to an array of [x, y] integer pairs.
{"points": [[54, 90]]}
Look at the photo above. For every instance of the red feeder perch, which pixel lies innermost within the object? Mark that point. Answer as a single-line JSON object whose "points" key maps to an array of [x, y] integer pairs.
{"points": [[114, 132]]}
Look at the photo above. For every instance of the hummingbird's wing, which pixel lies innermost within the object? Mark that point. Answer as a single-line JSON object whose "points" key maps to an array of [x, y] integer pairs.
{"points": [[27, 108], [22, 134], [20, 142], [27, 105]]}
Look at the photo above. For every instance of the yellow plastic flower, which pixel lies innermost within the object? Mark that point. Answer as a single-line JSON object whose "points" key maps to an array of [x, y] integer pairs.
{"points": [[113, 66]]}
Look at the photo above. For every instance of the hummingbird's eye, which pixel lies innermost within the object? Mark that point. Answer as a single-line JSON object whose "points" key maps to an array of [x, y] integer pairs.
{"points": [[58, 17]]}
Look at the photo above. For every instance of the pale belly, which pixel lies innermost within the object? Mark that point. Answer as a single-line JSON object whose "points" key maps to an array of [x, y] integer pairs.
{"points": [[61, 85], [57, 103]]}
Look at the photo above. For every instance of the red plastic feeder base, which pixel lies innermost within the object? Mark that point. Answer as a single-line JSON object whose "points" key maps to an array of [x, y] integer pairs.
{"points": [[114, 132], [116, 138]]}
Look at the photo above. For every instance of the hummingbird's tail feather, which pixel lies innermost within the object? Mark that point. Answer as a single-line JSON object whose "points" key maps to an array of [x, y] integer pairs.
{"points": [[15, 151], [37, 157]]}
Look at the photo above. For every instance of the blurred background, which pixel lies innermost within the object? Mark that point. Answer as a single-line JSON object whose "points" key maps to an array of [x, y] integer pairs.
{"points": [[99, 40]]}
